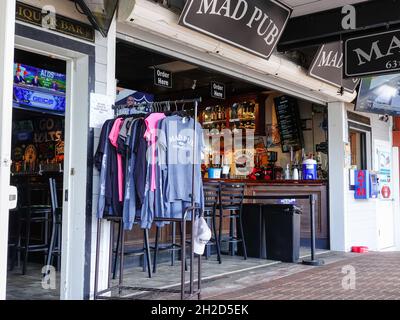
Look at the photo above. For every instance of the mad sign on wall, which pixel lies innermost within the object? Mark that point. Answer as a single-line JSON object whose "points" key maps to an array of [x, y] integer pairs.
{"points": [[328, 67], [254, 26], [373, 54]]}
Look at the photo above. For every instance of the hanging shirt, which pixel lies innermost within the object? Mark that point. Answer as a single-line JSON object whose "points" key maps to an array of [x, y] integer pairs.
{"points": [[114, 141], [177, 140], [129, 210], [101, 161], [139, 146], [150, 135]]}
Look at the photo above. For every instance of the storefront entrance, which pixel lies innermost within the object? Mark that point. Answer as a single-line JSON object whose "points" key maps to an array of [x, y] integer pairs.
{"points": [[63, 129], [37, 156], [233, 104]]}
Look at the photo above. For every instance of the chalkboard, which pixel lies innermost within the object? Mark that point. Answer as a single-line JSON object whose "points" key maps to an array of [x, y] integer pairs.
{"points": [[289, 124]]}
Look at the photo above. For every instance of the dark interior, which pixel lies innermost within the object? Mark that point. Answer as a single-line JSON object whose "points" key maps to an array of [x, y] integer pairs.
{"points": [[134, 70]]}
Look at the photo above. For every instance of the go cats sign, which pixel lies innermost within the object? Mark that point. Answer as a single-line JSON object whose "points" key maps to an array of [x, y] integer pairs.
{"points": [[251, 25]]}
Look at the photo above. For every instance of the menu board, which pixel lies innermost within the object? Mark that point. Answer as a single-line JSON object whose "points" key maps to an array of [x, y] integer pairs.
{"points": [[287, 114]]}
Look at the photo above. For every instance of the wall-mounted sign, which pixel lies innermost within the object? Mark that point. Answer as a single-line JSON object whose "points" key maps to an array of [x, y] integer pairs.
{"points": [[100, 109], [62, 24], [162, 78], [361, 187], [288, 118], [328, 67], [373, 54], [254, 26], [383, 166], [217, 90]]}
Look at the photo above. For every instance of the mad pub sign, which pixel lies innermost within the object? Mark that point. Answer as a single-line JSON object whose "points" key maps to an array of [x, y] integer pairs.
{"points": [[373, 54], [361, 187], [251, 25], [328, 67]]}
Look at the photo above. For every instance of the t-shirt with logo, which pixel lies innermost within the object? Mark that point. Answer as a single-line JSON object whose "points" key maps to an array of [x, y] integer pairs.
{"points": [[176, 139]]}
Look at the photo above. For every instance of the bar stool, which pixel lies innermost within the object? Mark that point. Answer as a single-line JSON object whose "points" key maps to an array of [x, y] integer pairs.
{"points": [[28, 214], [144, 251], [54, 248], [231, 199], [172, 247], [211, 200]]}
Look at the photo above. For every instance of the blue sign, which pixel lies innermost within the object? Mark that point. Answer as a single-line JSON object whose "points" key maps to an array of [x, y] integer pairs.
{"points": [[39, 99], [362, 184]]}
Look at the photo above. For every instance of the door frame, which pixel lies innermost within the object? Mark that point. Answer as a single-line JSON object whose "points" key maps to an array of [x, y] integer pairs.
{"points": [[77, 211]]}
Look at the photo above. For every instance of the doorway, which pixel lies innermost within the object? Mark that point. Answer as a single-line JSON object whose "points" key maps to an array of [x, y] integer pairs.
{"points": [[76, 228], [37, 154]]}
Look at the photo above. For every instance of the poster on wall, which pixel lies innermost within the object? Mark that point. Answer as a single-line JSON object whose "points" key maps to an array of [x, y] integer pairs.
{"points": [[100, 109], [383, 166]]}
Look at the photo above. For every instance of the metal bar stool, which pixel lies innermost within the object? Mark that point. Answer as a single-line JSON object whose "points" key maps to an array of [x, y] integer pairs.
{"points": [[145, 251], [231, 199], [54, 248], [211, 200], [172, 247], [28, 214]]}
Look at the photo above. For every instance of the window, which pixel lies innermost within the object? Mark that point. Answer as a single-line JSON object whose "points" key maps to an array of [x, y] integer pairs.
{"points": [[358, 148]]}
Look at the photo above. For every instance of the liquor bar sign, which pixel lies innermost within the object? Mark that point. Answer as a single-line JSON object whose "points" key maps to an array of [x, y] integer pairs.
{"points": [[254, 26], [328, 67], [373, 54], [36, 16]]}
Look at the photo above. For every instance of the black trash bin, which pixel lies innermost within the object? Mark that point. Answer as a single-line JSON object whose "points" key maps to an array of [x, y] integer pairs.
{"points": [[253, 229], [282, 232]]}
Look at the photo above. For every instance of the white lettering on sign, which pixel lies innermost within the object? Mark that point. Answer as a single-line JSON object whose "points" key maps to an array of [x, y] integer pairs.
{"points": [[217, 90], [218, 86], [376, 52], [331, 59], [163, 74], [260, 20]]}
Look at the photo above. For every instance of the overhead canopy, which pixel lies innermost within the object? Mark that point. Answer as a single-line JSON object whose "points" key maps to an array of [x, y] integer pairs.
{"points": [[320, 25]]}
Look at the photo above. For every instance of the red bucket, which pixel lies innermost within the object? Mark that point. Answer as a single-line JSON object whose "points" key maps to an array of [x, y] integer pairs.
{"points": [[359, 249]]}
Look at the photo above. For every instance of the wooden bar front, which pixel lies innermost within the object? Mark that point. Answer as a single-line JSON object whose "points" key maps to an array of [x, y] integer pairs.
{"points": [[271, 188]]}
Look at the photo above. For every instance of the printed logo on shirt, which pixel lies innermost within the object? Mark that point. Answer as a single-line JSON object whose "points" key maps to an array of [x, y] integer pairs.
{"points": [[181, 141]]}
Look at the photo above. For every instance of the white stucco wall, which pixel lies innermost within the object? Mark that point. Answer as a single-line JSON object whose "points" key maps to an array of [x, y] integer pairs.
{"points": [[355, 222]]}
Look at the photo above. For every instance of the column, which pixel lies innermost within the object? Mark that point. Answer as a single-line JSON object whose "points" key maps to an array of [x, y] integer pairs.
{"points": [[337, 127], [7, 27]]}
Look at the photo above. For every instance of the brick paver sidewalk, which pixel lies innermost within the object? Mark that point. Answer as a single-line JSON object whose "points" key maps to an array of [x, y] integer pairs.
{"points": [[376, 276]]}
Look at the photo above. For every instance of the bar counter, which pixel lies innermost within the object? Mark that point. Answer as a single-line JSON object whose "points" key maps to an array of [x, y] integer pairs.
{"points": [[254, 189]]}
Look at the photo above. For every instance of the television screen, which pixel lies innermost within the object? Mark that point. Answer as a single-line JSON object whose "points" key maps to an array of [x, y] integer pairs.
{"points": [[36, 88], [380, 95]]}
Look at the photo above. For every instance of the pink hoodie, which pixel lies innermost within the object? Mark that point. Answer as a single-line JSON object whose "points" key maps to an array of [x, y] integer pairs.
{"points": [[150, 135], [116, 128]]}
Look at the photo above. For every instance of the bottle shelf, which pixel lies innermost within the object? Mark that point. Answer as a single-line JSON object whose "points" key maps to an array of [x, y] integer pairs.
{"points": [[242, 119], [213, 121]]}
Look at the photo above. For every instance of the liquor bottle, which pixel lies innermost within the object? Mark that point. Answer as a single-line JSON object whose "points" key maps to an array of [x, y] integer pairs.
{"points": [[223, 113], [240, 111]]}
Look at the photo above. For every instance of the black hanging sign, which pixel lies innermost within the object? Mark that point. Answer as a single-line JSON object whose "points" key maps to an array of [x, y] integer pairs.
{"points": [[217, 90], [373, 54], [328, 67], [162, 78], [254, 26], [288, 118]]}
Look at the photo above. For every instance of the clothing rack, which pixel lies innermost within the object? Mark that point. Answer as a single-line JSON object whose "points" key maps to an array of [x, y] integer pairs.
{"points": [[155, 106], [184, 294]]}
